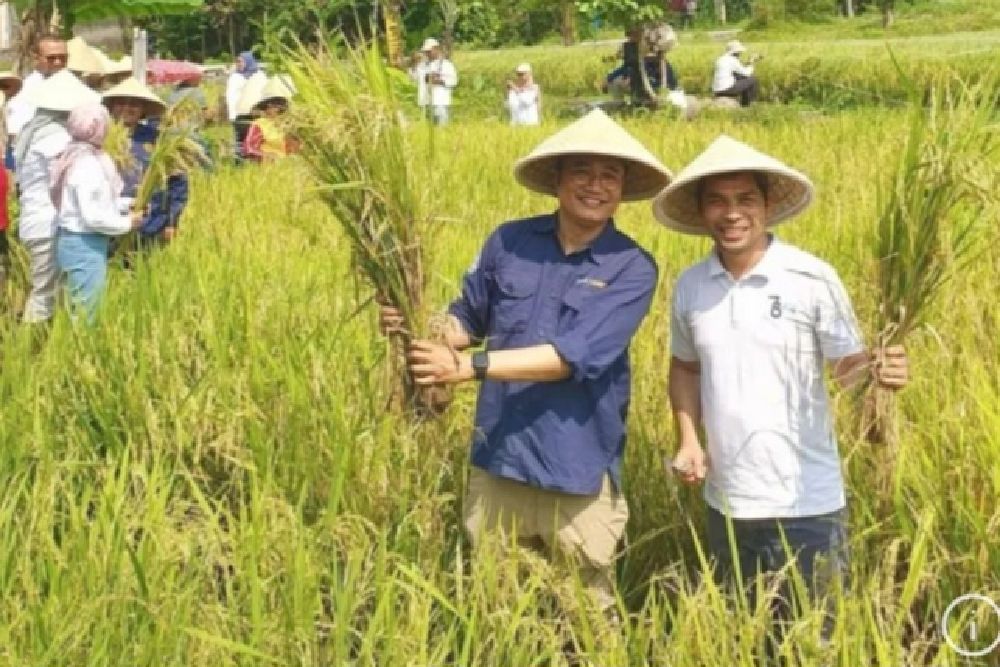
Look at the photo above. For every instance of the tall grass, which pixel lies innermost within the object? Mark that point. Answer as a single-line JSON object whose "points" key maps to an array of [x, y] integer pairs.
{"points": [[208, 476]]}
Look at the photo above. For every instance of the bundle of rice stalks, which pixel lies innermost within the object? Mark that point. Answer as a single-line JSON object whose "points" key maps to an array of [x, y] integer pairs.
{"points": [[176, 151], [939, 197], [118, 145], [348, 117]]}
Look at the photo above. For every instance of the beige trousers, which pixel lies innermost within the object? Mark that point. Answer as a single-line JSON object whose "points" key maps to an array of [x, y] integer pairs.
{"points": [[582, 532]]}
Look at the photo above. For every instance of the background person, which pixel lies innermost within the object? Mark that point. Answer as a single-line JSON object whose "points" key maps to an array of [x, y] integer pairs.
{"points": [[38, 145], [524, 97], [50, 55], [138, 108], [759, 308], [556, 299], [267, 140], [85, 191], [244, 68], [418, 72], [734, 79], [441, 77]]}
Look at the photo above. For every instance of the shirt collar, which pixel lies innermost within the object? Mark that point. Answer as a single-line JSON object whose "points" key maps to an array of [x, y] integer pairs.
{"points": [[765, 268], [598, 249]]}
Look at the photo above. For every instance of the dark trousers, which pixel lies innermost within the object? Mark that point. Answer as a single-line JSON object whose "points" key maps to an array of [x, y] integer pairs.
{"points": [[816, 544], [745, 89]]}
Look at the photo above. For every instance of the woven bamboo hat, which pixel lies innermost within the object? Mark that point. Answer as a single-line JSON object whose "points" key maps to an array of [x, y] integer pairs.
{"points": [[82, 58], [132, 88], [61, 92], [789, 191], [9, 79], [251, 93], [735, 47], [276, 89], [594, 134]]}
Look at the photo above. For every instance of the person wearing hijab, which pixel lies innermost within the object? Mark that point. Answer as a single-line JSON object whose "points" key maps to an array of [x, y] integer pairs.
{"points": [[86, 190], [134, 105], [246, 66], [38, 145], [524, 97]]}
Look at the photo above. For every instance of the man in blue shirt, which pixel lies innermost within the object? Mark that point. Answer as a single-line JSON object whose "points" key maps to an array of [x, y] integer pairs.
{"points": [[554, 300]]}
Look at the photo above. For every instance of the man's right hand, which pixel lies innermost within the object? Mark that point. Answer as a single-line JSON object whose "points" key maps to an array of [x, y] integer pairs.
{"points": [[390, 320], [690, 464]]}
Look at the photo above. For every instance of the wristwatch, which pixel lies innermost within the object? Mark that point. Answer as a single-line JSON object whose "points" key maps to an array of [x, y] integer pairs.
{"points": [[480, 364]]}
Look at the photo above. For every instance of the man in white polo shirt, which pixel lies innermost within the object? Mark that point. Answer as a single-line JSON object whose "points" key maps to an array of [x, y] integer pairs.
{"points": [[751, 328]]}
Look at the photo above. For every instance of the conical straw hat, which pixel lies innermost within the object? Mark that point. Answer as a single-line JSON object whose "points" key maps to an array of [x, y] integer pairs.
{"points": [[594, 134], [251, 93], [276, 88], [7, 76], [61, 92], [788, 191], [134, 89], [109, 66], [82, 58]]}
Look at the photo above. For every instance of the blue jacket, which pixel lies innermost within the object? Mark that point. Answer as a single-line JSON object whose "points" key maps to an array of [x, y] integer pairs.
{"points": [[166, 206]]}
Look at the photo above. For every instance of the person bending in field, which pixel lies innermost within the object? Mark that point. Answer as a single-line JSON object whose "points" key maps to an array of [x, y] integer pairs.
{"points": [[751, 327], [138, 108], [550, 307]]}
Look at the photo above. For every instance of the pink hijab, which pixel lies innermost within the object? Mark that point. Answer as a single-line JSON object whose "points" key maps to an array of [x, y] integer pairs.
{"points": [[88, 127]]}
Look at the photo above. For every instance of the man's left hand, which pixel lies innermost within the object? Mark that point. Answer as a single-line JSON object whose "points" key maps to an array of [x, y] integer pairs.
{"points": [[891, 367], [434, 363]]}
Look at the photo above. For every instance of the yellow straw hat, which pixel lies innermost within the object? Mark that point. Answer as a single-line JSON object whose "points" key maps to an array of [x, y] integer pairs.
{"points": [[7, 76], [789, 191], [594, 134], [276, 89], [61, 92], [132, 88], [82, 58]]}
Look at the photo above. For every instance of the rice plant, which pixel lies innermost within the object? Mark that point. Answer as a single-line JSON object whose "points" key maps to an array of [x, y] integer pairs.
{"points": [[349, 119]]}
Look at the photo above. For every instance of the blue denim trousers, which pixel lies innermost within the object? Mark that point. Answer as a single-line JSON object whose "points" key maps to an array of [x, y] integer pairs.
{"points": [[83, 259], [763, 547]]}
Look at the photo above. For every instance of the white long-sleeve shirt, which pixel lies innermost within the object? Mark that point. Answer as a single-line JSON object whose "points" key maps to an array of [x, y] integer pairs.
{"points": [[419, 75], [440, 93], [88, 205], [19, 111], [524, 105], [38, 215], [726, 69], [234, 89]]}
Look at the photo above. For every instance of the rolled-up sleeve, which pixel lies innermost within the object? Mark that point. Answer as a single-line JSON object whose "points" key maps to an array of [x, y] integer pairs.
{"points": [[472, 308], [604, 326]]}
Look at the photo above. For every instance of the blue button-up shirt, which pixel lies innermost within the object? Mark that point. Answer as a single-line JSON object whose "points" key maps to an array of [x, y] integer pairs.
{"points": [[524, 291]]}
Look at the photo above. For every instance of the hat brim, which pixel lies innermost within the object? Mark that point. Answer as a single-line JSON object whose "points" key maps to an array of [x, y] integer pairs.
{"points": [[150, 107], [540, 173], [789, 192]]}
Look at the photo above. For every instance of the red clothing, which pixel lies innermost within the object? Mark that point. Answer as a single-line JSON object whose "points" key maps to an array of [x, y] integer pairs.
{"points": [[4, 187]]}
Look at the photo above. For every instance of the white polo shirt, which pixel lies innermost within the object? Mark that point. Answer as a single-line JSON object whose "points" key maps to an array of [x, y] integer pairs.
{"points": [[761, 342]]}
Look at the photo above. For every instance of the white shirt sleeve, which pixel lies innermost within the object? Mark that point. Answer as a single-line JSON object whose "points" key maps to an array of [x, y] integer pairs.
{"points": [[449, 75], [234, 89], [98, 208], [19, 113], [738, 67], [837, 327], [681, 338]]}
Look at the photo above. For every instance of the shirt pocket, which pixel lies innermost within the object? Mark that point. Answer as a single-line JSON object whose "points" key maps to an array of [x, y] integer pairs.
{"points": [[512, 307], [791, 326]]}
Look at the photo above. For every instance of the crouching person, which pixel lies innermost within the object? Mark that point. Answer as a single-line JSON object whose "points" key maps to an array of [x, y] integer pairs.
{"points": [[554, 301]]}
